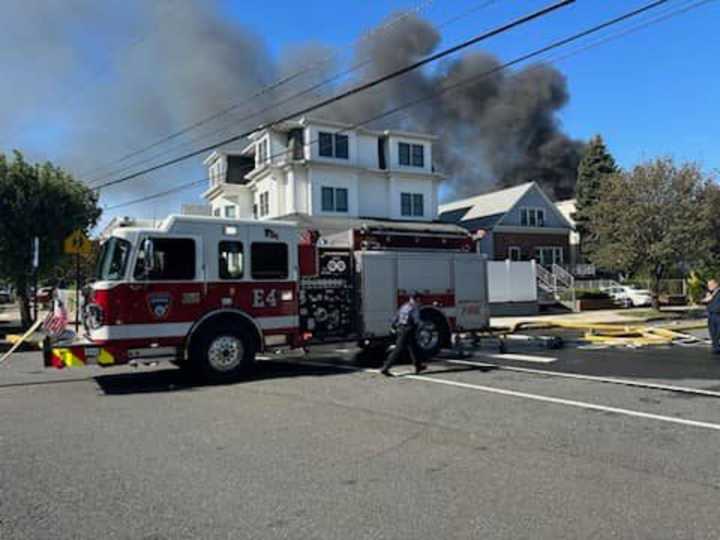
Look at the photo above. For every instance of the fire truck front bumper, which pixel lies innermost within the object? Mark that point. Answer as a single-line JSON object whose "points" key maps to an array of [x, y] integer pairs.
{"points": [[83, 352], [79, 354]]}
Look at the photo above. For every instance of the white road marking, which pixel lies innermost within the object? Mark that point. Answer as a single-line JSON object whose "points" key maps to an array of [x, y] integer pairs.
{"points": [[523, 358], [569, 402], [594, 378]]}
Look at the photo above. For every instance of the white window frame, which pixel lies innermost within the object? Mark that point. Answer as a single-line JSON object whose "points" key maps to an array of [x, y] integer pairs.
{"points": [[413, 208], [264, 204], [334, 205], [555, 250], [333, 145], [534, 217], [514, 249], [262, 154], [411, 148], [230, 208]]}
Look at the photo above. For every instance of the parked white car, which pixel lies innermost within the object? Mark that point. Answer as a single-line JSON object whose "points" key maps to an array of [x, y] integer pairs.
{"points": [[628, 296]]}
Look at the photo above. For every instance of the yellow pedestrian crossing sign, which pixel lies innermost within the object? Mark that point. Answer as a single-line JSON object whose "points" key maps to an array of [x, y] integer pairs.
{"points": [[78, 244]]}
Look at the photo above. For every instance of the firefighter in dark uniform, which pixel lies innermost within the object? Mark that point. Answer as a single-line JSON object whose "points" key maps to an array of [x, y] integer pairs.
{"points": [[405, 323], [712, 299]]}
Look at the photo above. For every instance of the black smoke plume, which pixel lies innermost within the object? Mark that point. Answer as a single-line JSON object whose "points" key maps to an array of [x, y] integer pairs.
{"points": [[495, 131], [85, 82]]}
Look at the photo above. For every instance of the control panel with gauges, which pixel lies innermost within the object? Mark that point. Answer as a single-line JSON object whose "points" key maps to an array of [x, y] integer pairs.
{"points": [[327, 301]]}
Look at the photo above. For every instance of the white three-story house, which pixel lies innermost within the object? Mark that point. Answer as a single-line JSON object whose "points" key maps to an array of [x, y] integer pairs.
{"points": [[326, 169]]}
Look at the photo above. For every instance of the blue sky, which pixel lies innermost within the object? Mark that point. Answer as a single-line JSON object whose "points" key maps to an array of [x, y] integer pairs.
{"points": [[654, 92]]}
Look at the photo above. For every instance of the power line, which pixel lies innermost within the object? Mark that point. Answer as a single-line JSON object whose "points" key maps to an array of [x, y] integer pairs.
{"points": [[652, 22], [265, 89], [552, 46], [502, 67], [277, 104], [511, 63], [355, 90], [181, 187]]}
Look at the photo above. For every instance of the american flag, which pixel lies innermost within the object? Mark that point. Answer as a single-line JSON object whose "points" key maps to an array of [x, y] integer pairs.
{"points": [[56, 320]]}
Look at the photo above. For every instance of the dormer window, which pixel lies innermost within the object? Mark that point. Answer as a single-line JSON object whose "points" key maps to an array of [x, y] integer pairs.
{"points": [[411, 155], [333, 145], [532, 217]]}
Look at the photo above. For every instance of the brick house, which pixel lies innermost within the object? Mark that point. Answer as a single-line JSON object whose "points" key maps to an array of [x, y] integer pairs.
{"points": [[520, 223]]}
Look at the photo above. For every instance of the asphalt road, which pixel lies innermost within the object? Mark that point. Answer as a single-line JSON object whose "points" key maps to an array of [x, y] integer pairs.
{"points": [[323, 450]]}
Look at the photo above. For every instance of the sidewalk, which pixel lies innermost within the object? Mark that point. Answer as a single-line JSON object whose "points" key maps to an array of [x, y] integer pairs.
{"points": [[9, 314], [10, 320]]}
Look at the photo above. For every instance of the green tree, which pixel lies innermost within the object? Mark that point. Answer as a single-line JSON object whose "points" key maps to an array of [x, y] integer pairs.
{"points": [[653, 220], [38, 200], [712, 263], [596, 165]]}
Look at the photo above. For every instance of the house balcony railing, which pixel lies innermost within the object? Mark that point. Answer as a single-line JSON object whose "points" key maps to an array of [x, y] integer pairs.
{"points": [[555, 285], [585, 271]]}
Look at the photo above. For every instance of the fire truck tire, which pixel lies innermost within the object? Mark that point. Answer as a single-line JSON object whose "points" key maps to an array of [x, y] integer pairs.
{"points": [[432, 334], [223, 353]]}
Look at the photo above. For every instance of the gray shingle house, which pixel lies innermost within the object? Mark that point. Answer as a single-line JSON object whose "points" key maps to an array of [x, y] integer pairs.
{"points": [[519, 223]]}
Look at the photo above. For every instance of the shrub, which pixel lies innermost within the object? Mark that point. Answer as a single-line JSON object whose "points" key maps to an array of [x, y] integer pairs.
{"points": [[592, 294], [695, 287], [585, 294]]}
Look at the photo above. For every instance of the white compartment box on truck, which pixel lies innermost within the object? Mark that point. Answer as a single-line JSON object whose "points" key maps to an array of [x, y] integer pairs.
{"points": [[455, 285]]}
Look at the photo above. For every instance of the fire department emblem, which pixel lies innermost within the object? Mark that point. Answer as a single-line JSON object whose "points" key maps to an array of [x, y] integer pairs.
{"points": [[159, 305]]}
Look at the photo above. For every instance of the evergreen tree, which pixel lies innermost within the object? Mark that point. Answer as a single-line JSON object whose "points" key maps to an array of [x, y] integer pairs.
{"points": [[596, 165]]}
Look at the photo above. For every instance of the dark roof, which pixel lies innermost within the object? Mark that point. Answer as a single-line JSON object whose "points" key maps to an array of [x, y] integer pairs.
{"points": [[332, 225], [486, 222], [453, 216]]}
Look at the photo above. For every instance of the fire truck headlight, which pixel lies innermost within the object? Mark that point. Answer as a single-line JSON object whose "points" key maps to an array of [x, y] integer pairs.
{"points": [[286, 296], [94, 316]]}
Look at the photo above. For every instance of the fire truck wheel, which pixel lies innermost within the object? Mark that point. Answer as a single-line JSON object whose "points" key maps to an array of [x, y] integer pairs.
{"points": [[431, 335], [224, 353]]}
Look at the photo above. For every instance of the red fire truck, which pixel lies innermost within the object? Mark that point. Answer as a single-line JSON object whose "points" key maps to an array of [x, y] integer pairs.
{"points": [[209, 293]]}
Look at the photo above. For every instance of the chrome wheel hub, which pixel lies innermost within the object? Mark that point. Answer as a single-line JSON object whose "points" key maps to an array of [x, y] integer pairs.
{"points": [[427, 335], [225, 353]]}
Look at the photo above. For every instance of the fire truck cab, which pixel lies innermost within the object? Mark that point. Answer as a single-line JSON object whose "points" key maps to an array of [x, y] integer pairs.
{"points": [[209, 293]]}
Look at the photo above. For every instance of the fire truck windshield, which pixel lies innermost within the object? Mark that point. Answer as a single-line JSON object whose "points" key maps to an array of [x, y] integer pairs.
{"points": [[113, 259]]}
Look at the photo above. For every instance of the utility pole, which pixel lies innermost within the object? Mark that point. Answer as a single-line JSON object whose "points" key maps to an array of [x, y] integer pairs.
{"points": [[77, 292], [35, 266]]}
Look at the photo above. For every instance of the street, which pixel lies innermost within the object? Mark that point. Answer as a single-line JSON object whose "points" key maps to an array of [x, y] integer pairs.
{"points": [[486, 447], [407, 270]]}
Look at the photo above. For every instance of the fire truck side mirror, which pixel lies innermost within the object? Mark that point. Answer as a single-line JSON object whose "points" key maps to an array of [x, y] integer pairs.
{"points": [[148, 249]]}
